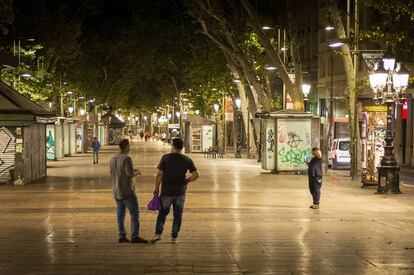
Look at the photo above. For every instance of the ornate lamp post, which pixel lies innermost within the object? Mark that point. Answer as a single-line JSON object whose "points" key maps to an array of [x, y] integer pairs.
{"points": [[305, 91], [238, 140], [389, 84]]}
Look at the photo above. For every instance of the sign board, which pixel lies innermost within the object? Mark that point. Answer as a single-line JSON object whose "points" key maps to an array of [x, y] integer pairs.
{"points": [[374, 108], [293, 143], [173, 126], [228, 117]]}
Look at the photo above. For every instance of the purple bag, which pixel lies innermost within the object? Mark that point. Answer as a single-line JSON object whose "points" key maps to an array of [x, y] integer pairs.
{"points": [[154, 203]]}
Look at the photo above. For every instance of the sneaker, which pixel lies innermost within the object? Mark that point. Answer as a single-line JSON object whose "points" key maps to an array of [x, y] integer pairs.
{"points": [[123, 240], [315, 206], [174, 240], [155, 239], [139, 240]]}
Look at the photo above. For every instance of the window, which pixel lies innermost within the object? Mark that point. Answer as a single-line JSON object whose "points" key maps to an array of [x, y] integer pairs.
{"points": [[344, 145], [322, 107]]}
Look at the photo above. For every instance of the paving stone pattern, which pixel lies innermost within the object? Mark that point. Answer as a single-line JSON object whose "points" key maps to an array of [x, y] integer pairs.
{"points": [[237, 220]]}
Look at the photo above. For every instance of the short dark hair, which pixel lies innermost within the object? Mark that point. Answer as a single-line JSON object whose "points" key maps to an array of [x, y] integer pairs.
{"points": [[123, 144], [315, 149], [178, 143]]}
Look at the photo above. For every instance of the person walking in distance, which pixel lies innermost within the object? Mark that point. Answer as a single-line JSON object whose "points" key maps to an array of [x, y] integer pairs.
{"points": [[96, 146], [172, 177], [123, 172], [315, 177]]}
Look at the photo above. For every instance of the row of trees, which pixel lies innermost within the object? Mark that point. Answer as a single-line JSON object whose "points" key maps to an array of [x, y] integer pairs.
{"points": [[131, 55], [136, 55], [236, 27]]}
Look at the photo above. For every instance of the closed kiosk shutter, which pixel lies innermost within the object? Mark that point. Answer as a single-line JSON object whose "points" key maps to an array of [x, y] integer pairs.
{"points": [[7, 154]]}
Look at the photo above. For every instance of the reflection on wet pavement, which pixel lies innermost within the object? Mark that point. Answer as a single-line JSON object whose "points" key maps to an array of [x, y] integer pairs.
{"points": [[236, 221]]}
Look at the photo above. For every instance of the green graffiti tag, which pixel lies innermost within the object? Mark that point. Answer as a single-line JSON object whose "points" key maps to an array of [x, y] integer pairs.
{"points": [[293, 155]]}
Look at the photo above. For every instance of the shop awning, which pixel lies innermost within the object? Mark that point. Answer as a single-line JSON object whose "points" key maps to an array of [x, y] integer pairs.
{"points": [[18, 110]]}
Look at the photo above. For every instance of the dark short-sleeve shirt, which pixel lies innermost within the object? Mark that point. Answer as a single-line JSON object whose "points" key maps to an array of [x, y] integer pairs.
{"points": [[175, 167]]}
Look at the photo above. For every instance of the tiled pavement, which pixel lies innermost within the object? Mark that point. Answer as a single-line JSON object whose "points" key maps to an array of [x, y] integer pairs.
{"points": [[237, 220]]}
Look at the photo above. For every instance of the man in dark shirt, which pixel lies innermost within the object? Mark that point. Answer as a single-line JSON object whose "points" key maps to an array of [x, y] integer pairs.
{"points": [[172, 171]]}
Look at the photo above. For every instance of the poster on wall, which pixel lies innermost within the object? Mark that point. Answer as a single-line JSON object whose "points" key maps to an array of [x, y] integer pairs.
{"points": [[293, 144], [115, 135], [79, 139], [207, 137], [50, 142], [269, 150]]}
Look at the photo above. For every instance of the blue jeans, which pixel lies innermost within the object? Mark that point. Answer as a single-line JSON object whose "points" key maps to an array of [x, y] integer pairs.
{"points": [[178, 208], [132, 204]]}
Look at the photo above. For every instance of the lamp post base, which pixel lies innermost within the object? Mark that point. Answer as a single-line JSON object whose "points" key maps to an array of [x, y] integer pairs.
{"points": [[388, 180]]}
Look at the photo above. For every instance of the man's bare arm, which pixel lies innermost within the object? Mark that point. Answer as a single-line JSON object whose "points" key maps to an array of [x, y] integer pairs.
{"points": [[193, 177], [158, 180]]}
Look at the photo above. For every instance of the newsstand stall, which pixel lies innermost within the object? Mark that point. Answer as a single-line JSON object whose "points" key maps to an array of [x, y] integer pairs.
{"points": [[288, 140], [22, 138]]}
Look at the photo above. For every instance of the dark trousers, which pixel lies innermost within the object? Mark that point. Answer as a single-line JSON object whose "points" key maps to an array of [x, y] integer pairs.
{"points": [[95, 156], [315, 189]]}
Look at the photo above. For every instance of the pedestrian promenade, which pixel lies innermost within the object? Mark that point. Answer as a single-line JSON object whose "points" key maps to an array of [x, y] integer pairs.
{"points": [[237, 220]]}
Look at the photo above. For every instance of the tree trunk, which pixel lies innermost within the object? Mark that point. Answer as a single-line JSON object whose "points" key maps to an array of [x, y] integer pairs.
{"points": [[245, 106], [351, 93]]}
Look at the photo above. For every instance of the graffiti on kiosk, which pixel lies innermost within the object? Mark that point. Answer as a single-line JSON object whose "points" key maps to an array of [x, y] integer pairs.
{"points": [[271, 140], [292, 154]]}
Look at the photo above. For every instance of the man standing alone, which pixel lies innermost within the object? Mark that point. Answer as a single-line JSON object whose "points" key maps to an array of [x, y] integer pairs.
{"points": [[122, 172], [172, 171], [96, 146]]}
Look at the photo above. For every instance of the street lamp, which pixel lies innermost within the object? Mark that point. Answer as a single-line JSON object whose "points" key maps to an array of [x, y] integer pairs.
{"points": [[145, 123], [270, 68], [70, 109], [305, 91], [238, 140], [389, 84], [337, 43], [216, 108], [26, 75]]}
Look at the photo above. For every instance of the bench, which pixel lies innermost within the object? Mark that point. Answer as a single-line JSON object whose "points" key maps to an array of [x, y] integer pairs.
{"points": [[213, 153]]}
